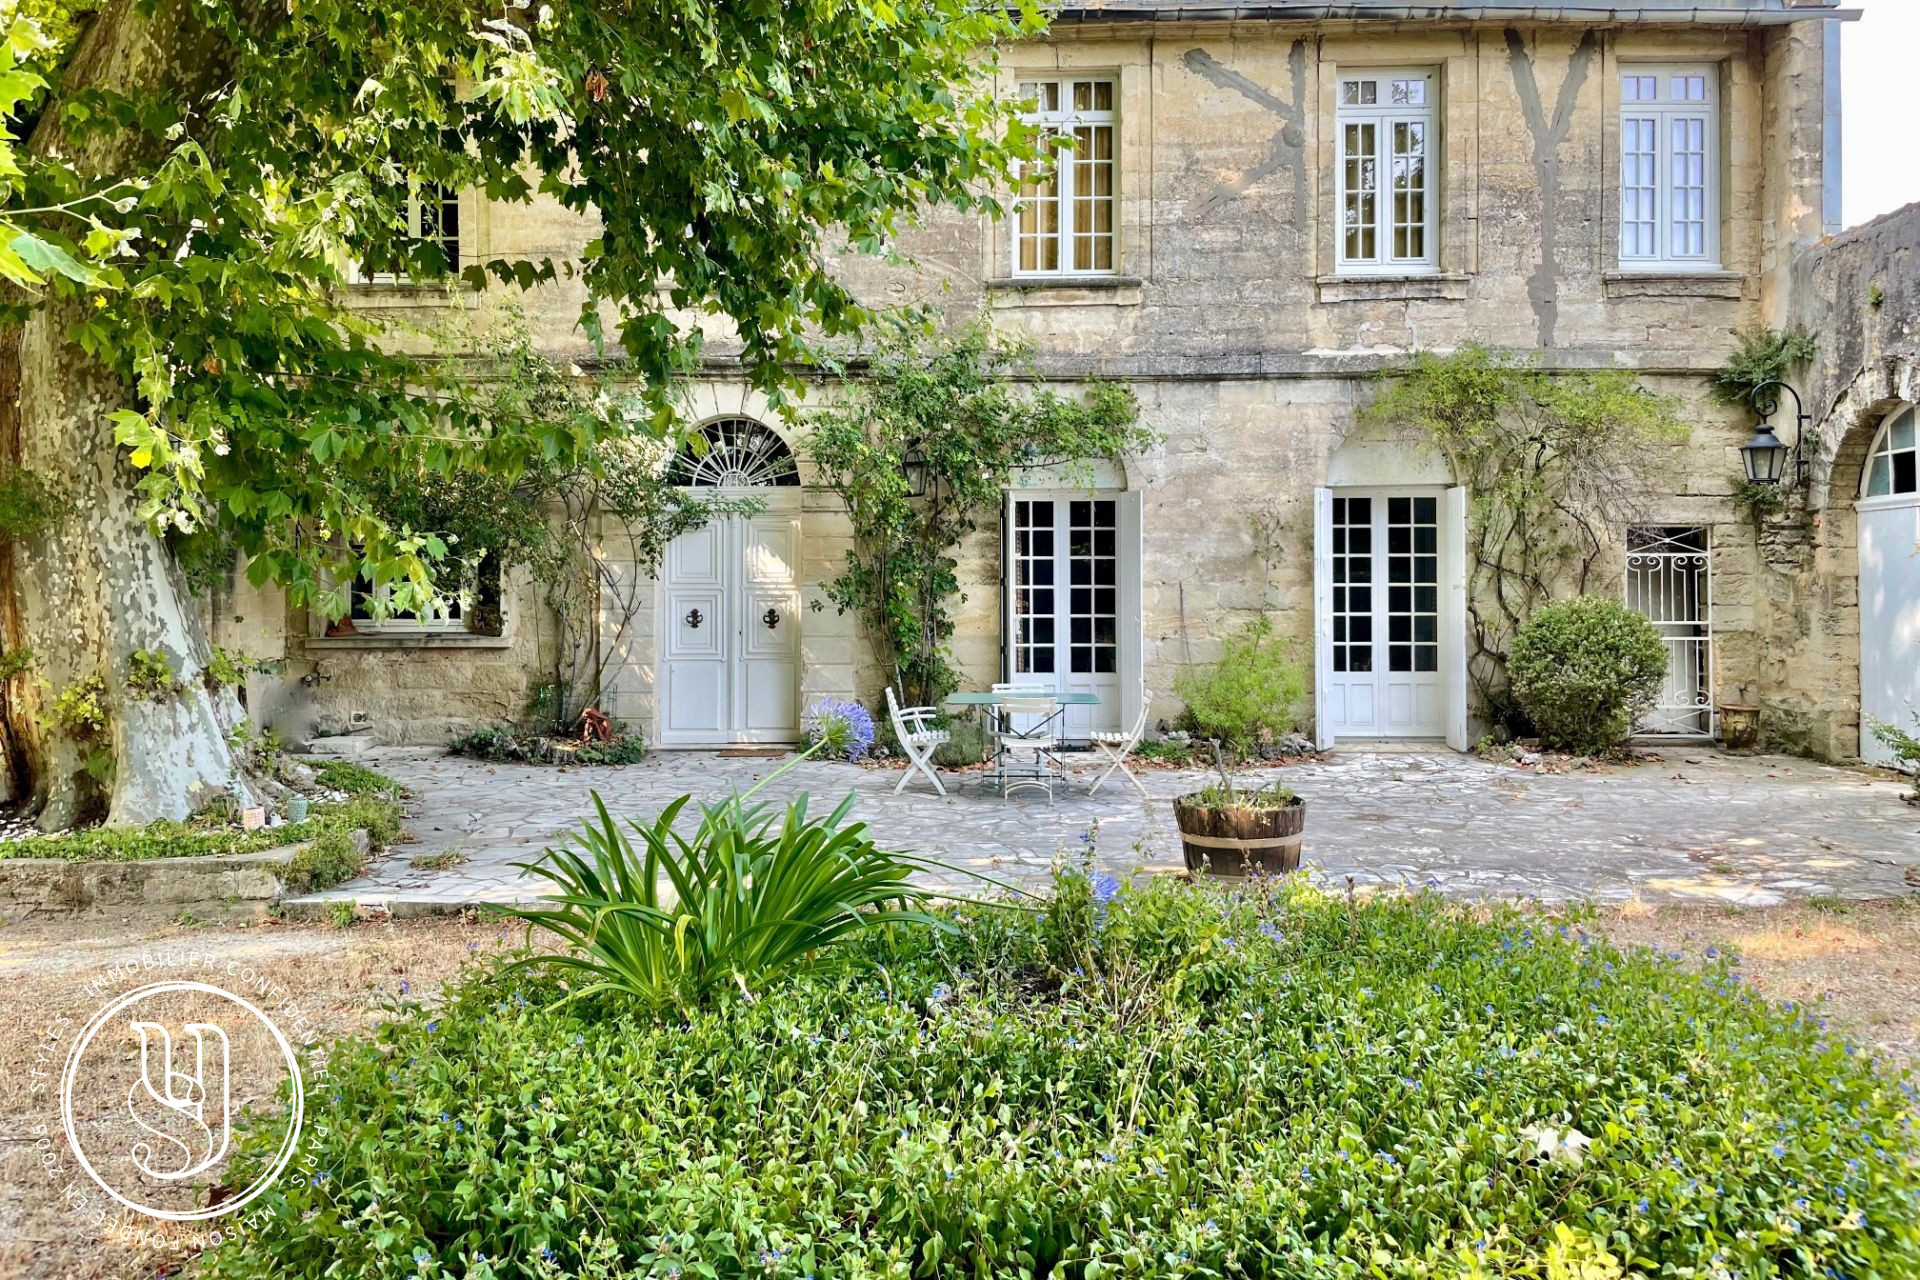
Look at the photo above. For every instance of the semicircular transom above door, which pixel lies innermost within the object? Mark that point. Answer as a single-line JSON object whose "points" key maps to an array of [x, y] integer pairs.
{"points": [[730, 598]]}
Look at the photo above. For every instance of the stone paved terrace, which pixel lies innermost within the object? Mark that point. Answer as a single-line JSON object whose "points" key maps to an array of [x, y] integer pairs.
{"points": [[1695, 824]]}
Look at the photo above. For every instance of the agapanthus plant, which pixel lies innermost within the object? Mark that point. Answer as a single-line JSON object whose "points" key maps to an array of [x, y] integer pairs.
{"points": [[841, 729]]}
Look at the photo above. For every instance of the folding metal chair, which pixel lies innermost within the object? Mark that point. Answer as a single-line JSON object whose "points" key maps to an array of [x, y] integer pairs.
{"points": [[914, 727], [1114, 748]]}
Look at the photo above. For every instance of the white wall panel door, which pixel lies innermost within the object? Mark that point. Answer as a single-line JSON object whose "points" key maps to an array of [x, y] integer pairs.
{"points": [[730, 655], [1889, 619]]}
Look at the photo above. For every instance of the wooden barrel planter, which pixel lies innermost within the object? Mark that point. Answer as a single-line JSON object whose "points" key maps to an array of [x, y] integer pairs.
{"points": [[1240, 842]]}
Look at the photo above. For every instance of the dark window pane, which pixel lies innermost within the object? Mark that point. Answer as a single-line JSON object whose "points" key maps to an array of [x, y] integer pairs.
{"points": [[1399, 628], [1363, 660], [1400, 657], [1104, 661], [1399, 509], [1427, 658], [1426, 540], [1425, 510]]}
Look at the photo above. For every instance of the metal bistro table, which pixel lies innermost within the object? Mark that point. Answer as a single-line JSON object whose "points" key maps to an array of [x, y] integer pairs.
{"points": [[994, 697]]}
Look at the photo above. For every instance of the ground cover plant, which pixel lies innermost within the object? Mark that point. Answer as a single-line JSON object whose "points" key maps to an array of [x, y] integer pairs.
{"points": [[1151, 1080], [371, 804]]}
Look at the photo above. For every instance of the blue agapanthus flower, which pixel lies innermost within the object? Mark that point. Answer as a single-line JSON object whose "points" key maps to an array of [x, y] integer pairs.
{"points": [[843, 729]]}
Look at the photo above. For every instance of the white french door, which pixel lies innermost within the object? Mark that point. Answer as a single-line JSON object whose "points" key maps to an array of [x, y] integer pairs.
{"points": [[1073, 602], [730, 628], [1383, 670]]}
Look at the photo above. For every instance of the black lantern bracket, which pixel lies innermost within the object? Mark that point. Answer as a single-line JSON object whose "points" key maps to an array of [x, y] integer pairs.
{"points": [[1765, 457]]}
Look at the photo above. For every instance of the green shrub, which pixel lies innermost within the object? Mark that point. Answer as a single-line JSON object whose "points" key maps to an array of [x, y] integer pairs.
{"points": [[749, 897], [498, 744], [1151, 1081], [965, 745], [1904, 745], [355, 779], [327, 859], [1584, 670], [1253, 693], [505, 744], [622, 748]]}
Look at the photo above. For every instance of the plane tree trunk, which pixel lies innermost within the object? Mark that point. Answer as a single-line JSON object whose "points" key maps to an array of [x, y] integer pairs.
{"points": [[87, 588]]}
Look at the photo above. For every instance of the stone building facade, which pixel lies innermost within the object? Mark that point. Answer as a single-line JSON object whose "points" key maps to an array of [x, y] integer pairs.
{"points": [[1267, 205]]}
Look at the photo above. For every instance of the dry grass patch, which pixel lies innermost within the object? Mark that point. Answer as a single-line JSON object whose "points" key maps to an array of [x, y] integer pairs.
{"points": [[1859, 961]]}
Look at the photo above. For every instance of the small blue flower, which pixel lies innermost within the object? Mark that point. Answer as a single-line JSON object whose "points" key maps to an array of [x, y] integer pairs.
{"points": [[404, 986], [433, 1026], [421, 1257], [1105, 887]]}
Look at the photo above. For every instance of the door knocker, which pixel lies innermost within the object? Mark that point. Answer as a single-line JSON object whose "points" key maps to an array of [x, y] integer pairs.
{"points": [[771, 617], [694, 619]]}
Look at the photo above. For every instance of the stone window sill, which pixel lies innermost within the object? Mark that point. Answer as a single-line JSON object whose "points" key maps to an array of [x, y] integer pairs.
{"points": [[1065, 291], [407, 293], [411, 640], [1675, 284], [1446, 285]]}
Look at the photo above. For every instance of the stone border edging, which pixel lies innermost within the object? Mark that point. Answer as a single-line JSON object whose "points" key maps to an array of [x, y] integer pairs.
{"points": [[213, 884]]}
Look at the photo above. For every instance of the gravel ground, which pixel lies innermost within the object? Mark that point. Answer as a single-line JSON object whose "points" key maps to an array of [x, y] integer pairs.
{"points": [[1860, 960]]}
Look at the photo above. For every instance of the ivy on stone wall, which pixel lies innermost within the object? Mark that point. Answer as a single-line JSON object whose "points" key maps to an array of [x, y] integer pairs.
{"points": [[951, 401], [1554, 463]]}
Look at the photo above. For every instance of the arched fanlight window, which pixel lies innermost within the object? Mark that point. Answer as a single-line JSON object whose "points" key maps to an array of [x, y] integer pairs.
{"points": [[735, 453], [1895, 458]]}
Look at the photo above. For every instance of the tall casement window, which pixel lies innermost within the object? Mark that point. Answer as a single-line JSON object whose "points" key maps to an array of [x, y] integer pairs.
{"points": [[1387, 185], [1669, 168], [432, 236], [1067, 222]]}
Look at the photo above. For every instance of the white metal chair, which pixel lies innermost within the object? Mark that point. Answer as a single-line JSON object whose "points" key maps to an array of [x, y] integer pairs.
{"points": [[1031, 745], [919, 739], [1115, 747]]}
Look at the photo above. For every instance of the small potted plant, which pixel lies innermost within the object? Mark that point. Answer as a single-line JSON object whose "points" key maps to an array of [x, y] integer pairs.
{"points": [[1227, 831]]}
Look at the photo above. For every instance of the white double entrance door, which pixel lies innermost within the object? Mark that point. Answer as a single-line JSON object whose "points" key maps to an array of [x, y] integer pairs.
{"points": [[1889, 618], [730, 628], [1390, 660]]}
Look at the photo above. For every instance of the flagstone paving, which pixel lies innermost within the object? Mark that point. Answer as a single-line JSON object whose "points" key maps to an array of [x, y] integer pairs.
{"points": [[1698, 825]]}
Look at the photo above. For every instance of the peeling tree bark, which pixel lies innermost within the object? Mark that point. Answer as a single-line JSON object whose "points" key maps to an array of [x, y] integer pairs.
{"points": [[97, 584]]}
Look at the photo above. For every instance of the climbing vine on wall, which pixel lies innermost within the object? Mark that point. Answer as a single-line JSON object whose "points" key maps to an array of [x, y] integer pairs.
{"points": [[954, 402], [1554, 463], [1760, 355]]}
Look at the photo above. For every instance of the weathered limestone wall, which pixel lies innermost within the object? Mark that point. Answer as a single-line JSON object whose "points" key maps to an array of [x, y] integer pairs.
{"points": [[1858, 293], [1247, 352]]}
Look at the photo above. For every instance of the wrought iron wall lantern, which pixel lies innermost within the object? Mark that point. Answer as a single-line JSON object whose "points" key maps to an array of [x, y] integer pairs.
{"points": [[913, 465], [1765, 457]]}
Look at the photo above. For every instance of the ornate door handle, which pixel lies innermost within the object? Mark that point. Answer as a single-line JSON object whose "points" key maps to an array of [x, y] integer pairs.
{"points": [[694, 619], [771, 617]]}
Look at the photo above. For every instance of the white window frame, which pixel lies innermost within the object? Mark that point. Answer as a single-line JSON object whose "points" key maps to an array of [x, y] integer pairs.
{"points": [[1906, 416], [417, 201], [1673, 106], [1061, 120], [453, 622], [1385, 116]]}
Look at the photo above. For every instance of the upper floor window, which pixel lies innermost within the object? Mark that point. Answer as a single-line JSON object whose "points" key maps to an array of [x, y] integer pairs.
{"points": [[1895, 459], [1669, 167], [431, 238], [1385, 128], [1066, 221]]}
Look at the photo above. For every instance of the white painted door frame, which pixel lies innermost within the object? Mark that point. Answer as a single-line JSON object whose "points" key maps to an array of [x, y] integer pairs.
{"points": [[1889, 544], [1124, 686], [1452, 621], [729, 629]]}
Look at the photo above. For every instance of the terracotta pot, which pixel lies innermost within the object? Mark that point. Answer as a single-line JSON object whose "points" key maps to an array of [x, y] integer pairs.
{"points": [[1240, 842]]}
